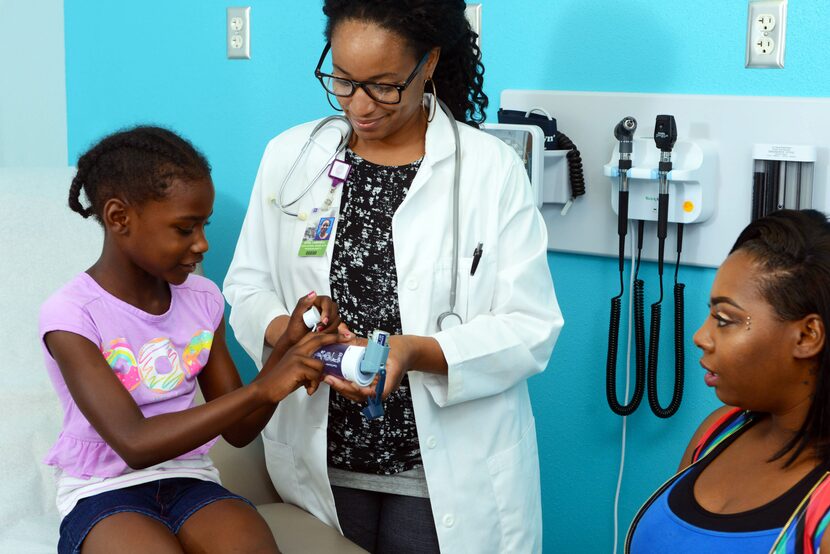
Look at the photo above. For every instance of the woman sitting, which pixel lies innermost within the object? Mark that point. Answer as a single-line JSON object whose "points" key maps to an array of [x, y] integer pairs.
{"points": [[754, 477]]}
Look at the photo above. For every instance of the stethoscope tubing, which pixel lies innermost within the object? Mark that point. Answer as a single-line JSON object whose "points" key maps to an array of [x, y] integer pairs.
{"points": [[344, 141], [450, 314]]}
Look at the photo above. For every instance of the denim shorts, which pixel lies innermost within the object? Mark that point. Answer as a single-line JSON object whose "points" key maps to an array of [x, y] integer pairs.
{"points": [[170, 501]]}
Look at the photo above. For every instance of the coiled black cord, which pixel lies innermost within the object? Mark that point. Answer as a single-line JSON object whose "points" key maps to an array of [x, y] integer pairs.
{"points": [[639, 307], [654, 342], [613, 345], [575, 171]]}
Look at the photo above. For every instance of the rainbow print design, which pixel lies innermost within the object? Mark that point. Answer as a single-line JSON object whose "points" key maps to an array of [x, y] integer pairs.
{"points": [[159, 365], [121, 359], [196, 353]]}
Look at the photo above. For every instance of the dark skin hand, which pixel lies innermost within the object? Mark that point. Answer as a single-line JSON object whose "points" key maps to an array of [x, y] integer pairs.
{"points": [[406, 353], [238, 413], [296, 331], [293, 325]]}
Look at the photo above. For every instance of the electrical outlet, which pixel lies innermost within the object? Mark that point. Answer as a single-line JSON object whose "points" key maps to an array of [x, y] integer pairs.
{"points": [[764, 45], [766, 31], [239, 33], [473, 13], [766, 22]]}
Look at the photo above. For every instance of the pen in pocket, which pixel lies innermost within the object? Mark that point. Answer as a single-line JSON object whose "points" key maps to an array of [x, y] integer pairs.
{"points": [[476, 257]]}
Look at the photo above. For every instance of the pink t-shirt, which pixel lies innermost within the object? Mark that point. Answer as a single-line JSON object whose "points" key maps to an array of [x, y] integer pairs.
{"points": [[156, 358]]}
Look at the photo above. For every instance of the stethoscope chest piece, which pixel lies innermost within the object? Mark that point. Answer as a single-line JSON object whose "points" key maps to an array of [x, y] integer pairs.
{"points": [[448, 320]]}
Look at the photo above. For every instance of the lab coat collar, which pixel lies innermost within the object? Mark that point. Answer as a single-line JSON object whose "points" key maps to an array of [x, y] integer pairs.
{"points": [[440, 142], [439, 145]]}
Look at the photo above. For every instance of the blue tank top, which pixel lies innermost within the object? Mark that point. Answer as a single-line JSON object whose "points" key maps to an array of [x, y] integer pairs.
{"points": [[675, 522], [660, 530]]}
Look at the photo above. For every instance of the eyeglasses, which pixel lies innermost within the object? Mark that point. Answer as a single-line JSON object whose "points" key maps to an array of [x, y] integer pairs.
{"points": [[385, 93]]}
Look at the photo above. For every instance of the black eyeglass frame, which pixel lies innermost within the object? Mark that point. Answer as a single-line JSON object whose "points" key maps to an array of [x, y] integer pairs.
{"points": [[365, 84]]}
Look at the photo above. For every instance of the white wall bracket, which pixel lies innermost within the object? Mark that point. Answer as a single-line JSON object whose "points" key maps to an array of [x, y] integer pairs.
{"points": [[691, 181], [730, 124]]}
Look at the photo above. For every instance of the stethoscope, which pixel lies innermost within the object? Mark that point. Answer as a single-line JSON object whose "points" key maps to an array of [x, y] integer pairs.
{"points": [[447, 319]]}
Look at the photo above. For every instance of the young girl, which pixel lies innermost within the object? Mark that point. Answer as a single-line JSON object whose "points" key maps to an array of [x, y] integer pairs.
{"points": [[125, 342]]}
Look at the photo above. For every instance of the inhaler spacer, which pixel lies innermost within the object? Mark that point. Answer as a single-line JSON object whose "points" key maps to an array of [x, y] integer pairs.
{"points": [[358, 364], [344, 362]]}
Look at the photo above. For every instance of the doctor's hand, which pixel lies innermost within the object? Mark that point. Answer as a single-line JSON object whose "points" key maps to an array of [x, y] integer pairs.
{"points": [[396, 368]]}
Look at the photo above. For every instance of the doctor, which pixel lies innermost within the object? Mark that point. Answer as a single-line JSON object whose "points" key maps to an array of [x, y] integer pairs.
{"points": [[453, 464]]}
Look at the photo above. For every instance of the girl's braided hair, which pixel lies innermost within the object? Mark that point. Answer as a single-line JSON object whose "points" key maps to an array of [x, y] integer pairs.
{"points": [[137, 165]]}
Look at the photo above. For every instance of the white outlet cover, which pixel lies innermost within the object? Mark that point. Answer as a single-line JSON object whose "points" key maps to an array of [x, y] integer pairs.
{"points": [[766, 33], [473, 14], [238, 33]]}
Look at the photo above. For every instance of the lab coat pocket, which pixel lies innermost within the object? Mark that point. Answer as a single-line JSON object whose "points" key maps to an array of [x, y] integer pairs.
{"points": [[514, 474], [441, 287], [481, 287], [279, 458]]}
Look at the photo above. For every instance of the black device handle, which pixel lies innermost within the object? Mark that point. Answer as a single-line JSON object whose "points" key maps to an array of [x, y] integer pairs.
{"points": [[624, 133], [662, 228]]}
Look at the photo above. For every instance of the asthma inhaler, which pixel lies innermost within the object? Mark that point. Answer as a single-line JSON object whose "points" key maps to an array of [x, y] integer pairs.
{"points": [[358, 364], [311, 317]]}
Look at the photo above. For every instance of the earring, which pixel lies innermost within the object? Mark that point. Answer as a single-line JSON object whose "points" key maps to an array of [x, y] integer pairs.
{"points": [[748, 322], [434, 104]]}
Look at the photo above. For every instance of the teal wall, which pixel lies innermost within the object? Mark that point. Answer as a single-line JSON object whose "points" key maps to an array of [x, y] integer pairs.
{"points": [[164, 62]]}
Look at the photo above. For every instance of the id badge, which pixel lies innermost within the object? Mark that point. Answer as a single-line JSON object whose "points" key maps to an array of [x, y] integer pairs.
{"points": [[317, 233]]}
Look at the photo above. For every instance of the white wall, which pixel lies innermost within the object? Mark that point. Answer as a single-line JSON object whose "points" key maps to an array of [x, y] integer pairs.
{"points": [[33, 89]]}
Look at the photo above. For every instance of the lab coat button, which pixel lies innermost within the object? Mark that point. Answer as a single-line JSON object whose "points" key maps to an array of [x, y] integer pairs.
{"points": [[449, 520], [431, 442], [412, 283]]}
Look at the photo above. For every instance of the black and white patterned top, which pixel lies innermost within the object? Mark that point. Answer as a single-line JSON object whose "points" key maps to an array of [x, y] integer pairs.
{"points": [[365, 286]]}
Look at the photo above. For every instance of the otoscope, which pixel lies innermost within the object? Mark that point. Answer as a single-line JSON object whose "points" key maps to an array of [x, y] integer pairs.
{"points": [[624, 133], [665, 135]]}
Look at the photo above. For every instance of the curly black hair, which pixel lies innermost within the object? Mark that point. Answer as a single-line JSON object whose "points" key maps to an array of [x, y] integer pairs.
{"points": [[425, 24], [136, 164], [792, 248]]}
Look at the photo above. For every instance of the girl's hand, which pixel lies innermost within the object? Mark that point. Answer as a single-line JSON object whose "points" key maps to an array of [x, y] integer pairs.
{"points": [[296, 368], [329, 318]]}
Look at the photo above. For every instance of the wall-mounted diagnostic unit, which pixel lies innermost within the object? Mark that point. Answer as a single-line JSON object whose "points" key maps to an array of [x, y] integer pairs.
{"points": [[782, 177], [723, 143], [691, 181], [528, 141]]}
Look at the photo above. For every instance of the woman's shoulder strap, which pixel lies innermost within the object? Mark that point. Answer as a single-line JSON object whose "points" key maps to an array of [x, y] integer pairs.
{"points": [[806, 527], [724, 427]]}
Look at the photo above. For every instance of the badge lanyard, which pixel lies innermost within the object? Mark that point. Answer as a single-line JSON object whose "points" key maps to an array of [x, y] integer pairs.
{"points": [[321, 221]]}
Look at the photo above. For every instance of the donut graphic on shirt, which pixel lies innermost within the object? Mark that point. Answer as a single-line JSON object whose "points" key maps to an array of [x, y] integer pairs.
{"points": [[160, 366], [121, 359], [196, 353]]}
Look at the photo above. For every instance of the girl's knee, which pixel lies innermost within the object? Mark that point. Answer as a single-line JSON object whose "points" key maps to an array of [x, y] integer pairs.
{"points": [[228, 525]]}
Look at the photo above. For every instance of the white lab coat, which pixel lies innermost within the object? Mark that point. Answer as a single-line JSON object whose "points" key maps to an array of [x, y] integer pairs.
{"points": [[475, 425]]}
